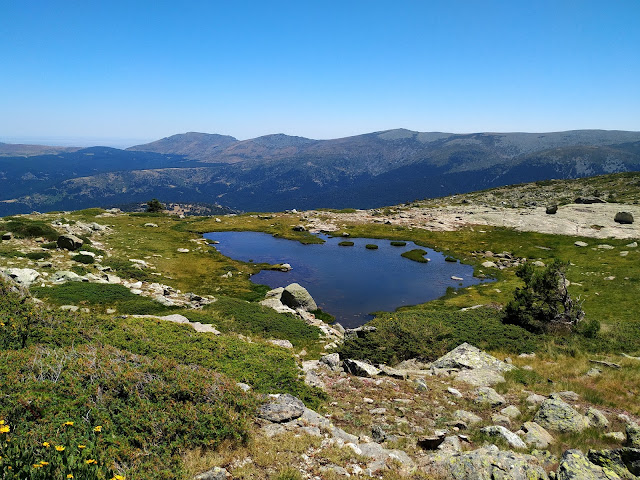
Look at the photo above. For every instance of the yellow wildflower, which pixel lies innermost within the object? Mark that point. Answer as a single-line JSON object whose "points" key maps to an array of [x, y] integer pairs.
{"points": [[70, 424], [59, 448], [36, 465], [4, 429], [42, 462], [118, 477], [46, 444], [1, 422], [97, 428], [82, 446], [69, 475], [90, 461]]}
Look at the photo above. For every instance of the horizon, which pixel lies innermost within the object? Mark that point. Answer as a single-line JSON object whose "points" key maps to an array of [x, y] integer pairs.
{"points": [[124, 143], [128, 73]]}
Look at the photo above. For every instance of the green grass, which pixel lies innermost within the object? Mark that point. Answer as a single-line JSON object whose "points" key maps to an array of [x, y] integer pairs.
{"points": [[38, 255], [346, 243], [101, 296], [26, 228], [81, 258], [417, 255], [371, 246], [398, 244]]}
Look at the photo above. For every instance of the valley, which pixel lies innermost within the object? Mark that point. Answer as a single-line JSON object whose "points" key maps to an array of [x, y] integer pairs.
{"points": [[149, 332]]}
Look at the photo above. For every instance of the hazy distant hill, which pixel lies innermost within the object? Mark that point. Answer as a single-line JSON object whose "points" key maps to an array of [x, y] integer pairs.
{"points": [[276, 172], [22, 150]]}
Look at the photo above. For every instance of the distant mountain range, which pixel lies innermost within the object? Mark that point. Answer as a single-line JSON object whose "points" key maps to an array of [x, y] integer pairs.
{"points": [[276, 172]]}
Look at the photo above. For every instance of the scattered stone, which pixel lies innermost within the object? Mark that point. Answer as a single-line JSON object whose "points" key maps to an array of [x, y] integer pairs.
{"points": [[431, 442], [567, 395], [605, 246], [7, 236], [588, 200], [624, 253], [488, 396], [489, 264], [498, 419], [535, 399], [299, 228], [421, 385], [282, 408], [625, 218], [331, 360], [596, 418], [281, 343], [70, 308], [69, 242], [360, 368], [183, 250], [393, 372], [216, 473], [296, 296], [378, 434], [467, 417], [535, 435], [593, 372], [243, 386], [574, 465], [631, 245], [151, 225], [455, 392], [551, 210], [499, 431], [581, 244], [378, 411], [554, 414], [63, 276], [606, 364], [451, 444], [617, 436], [538, 263], [511, 411], [457, 279]]}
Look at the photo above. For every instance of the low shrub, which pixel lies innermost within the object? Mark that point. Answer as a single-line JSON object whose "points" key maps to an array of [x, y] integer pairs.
{"points": [[26, 228], [86, 259], [38, 255]]}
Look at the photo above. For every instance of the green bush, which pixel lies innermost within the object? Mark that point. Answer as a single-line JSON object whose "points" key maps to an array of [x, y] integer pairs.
{"points": [[371, 246], [398, 244], [544, 302], [346, 243], [38, 255], [81, 258], [26, 228]]}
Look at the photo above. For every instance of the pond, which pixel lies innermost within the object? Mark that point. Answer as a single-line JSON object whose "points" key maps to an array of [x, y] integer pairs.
{"points": [[350, 283]]}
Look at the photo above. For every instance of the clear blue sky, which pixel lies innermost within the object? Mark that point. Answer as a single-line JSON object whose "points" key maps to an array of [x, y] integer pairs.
{"points": [[124, 71]]}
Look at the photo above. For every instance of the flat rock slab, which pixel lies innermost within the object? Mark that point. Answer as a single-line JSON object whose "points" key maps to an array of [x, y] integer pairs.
{"points": [[480, 377], [282, 408], [360, 368], [536, 436], [177, 318], [499, 431]]}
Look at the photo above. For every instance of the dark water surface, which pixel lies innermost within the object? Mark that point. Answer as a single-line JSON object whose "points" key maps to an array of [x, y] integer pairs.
{"points": [[348, 282]]}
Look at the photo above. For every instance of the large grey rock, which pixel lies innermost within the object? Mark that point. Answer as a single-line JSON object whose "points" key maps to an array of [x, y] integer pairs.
{"points": [[63, 276], [633, 435], [296, 296], [360, 368], [589, 200], [466, 356], [487, 463], [574, 465], [23, 276], [480, 377], [551, 209], [511, 411], [281, 409], [7, 236], [331, 360], [499, 431], [216, 473], [624, 218], [488, 396], [536, 436], [69, 242], [623, 461], [554, 414]]}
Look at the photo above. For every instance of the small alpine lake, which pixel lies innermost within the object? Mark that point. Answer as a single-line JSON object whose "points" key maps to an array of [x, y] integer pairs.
{"points": [[349, 282]]}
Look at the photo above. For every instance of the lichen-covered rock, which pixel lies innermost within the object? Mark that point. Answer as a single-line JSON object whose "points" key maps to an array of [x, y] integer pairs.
{"points": [[296, 296], [360, 368], [216, 473], [69, 242], [574, 465], [466, 356], [536, 436], [22, 276], [623, 461], [624, 218], [499, 431], [633, 435], [596, 418], [282, 408], [480, 377], [467, 417], [331, 360], [554, 414], [487, 463], [488, 396]]}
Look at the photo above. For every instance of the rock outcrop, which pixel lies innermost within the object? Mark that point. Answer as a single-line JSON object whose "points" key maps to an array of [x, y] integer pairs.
{"points": [[296, 296], [69, 242], [556, 415]]}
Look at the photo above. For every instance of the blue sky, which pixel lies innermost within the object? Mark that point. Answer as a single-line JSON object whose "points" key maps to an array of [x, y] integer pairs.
{"points": [[120, 72]]}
